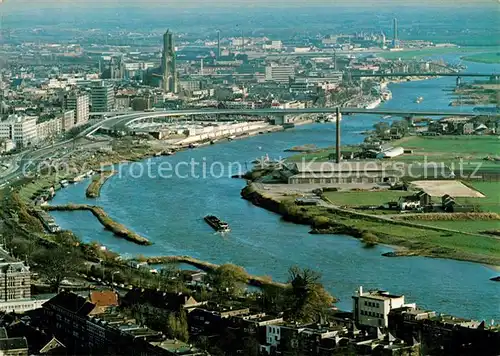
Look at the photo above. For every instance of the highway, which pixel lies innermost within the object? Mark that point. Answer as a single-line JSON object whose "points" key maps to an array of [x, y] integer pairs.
{"points": [[24, 159]]}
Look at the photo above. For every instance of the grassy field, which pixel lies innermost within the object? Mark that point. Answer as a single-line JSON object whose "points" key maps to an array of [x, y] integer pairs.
{"points": [[464, 151], [491, 201], [27, 192], [474, 226], [427, 52], [354, 198], [489, 58], [459, 246], [452, 146]]}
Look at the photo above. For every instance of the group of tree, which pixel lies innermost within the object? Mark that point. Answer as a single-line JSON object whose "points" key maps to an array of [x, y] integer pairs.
{"points": [[56, 264], [383, 128], [304, 300], [369, 238], [307, 298], [178, 326], [227, 281]]}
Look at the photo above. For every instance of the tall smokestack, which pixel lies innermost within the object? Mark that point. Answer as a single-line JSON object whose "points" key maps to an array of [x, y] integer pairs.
{"points": [[395, 33], [218, 44], [337, 143]]}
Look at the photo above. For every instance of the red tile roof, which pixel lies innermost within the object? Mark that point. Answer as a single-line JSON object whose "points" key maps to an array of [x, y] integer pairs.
{"points": [[104, 298]]}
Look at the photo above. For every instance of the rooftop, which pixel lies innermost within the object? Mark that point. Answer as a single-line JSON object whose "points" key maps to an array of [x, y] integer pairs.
{"points": [[5, 256], [13, 343], [376, 294], [71, 302], [176, 346], [343, 167], [104, 298]]}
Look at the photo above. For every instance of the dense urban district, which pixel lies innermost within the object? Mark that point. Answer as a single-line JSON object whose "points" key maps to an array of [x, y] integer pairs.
{"points": [[424, 182]]}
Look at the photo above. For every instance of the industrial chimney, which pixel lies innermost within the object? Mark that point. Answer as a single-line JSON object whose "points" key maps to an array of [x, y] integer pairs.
{"points": [[337, 143]]}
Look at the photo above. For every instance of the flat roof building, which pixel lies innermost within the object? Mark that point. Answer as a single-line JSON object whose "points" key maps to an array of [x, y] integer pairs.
{"points": [[80, 103], [344, 172], [20, 129], [279, 73], [372, 308], [103, 96]]}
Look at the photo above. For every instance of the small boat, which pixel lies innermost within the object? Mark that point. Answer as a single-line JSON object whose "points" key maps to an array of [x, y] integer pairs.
{"points": [[386, 117], [419, 99], [217, 224]]}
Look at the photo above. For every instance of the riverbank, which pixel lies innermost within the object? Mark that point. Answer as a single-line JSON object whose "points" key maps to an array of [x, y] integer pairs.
{"points": [[94, 188], [111, 225], [418, 240], [486, 58], [257, 281]]}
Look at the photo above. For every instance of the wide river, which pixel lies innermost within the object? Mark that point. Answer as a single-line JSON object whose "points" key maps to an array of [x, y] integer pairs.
{"points": [[169, 212]]}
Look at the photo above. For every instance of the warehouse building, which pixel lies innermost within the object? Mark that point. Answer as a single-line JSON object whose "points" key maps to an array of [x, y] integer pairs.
{"points": [[344, 172]]}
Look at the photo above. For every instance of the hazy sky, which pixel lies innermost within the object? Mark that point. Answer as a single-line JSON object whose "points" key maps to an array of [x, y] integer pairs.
{"points": [[34, 4]]}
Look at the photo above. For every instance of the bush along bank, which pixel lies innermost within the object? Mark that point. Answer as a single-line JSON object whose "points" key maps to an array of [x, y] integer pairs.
{"points": [[115, 227], [257, 281]]}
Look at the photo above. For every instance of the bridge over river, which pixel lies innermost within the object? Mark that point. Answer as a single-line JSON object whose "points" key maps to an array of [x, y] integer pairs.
{"points": [[120, 120]]}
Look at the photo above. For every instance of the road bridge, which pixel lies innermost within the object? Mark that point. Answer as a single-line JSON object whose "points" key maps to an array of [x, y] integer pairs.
{"points": [[429, 74], [120, 120]]}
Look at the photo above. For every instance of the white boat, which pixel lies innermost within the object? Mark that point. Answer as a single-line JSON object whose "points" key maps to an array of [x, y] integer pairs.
{"points": [[419, 99]]}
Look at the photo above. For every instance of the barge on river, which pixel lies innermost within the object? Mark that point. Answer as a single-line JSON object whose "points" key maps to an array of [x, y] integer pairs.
{"points": [[217, 224]]}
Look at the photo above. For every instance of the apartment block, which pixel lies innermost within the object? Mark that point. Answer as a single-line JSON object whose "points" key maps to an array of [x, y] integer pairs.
{"points": [[20, 129], [80, 103]]}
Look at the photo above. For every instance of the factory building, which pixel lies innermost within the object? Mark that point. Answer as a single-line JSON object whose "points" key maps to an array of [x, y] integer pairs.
{"points": [[343, 172]]}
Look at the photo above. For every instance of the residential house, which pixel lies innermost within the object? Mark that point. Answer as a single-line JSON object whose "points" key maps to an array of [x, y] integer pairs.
{"points": [[193, 277], [425, 198], [12, 346], [169, 301], [444, 334], [410, 202], [69, 317], [449, 205], [212, 318]]}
